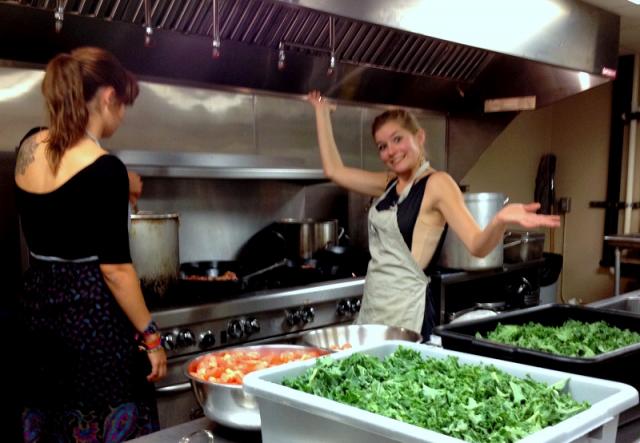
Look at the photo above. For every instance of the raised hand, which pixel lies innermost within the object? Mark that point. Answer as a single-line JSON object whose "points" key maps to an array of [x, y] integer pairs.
{"points": [[525, 216], [318, 102]]}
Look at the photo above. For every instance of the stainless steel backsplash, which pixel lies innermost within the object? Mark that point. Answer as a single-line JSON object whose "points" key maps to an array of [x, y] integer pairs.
{"points": [[218, 215]]}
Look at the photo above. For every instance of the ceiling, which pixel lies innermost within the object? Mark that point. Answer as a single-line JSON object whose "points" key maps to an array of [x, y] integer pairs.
{"points": [[629, 22]]}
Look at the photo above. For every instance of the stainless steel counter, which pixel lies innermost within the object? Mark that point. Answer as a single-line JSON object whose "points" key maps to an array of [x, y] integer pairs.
{"points": [[220, 433], [629, 433]]}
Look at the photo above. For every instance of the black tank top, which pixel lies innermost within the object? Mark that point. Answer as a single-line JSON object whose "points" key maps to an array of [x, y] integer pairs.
{"points": [[408, 211]]}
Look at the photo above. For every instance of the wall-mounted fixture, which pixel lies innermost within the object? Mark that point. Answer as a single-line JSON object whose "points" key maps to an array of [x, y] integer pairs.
{"points": [[331, 51], [215, 52], [58, 14], [281, 56], [332, 56], [148, 29]]}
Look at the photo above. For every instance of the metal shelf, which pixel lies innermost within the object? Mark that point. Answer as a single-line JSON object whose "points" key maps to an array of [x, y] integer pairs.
{"points": [[206, 165]]}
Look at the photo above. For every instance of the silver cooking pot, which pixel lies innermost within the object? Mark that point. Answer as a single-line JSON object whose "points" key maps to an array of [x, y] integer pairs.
{"points": [[153, 240], [483, 207], [304, 237]]}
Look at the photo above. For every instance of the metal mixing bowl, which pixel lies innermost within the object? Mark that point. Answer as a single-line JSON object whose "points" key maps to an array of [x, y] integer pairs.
{"points": [[356, 335], [228, 404]]}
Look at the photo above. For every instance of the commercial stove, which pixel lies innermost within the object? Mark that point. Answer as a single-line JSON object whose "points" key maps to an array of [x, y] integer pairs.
{"points": [[272, 315]]}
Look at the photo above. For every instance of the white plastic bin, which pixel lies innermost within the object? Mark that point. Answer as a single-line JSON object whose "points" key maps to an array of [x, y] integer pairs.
{"points": [[289, 415]]}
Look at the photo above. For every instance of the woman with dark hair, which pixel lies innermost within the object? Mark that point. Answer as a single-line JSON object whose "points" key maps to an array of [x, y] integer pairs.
{"points": [[93, 350], [413, 205]]}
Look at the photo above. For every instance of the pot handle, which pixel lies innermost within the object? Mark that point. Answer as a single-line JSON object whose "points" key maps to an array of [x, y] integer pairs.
{"points": [[513, 243], [281, 263]]}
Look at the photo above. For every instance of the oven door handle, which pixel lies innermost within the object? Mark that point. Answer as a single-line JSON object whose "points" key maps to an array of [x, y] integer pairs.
{"points": [[174, 389]]}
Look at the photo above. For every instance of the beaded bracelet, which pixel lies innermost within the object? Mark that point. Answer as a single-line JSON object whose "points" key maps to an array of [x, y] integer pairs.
{"points": [[152, 341], [155, 349], [152, 328]]}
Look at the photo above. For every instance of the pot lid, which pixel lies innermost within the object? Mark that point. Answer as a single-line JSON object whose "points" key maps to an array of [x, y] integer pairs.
{"points": [[474, 315], [147, 215], [484, 196], [305, 221], [524, 235]]}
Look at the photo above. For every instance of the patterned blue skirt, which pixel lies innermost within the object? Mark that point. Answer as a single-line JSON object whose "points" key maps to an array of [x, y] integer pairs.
{"points": [[85, 378]]}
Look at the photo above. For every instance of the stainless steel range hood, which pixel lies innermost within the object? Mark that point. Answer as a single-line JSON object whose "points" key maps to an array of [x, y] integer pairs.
{"points": [[449, 56], [444, 55]]}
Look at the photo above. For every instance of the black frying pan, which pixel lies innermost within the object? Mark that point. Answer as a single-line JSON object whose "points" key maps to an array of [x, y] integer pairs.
{"points": [[210, 288]]}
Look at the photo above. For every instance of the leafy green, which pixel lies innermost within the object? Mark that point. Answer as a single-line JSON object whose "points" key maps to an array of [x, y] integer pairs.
{"points": [[572, 339], [476, 403]]}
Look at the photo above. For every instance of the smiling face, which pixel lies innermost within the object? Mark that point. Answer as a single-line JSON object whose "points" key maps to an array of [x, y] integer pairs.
{"points": [[399, 149]]}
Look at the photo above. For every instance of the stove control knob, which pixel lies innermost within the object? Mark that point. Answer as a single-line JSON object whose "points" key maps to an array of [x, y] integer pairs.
{"points": [[355, 305], [234, 329], [207, 339], [168, 341], [292, 317], [344, 307], [186, 338], [307, 314], [251, 325]]}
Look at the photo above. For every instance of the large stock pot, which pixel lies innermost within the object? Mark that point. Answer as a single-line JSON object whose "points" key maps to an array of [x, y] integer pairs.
{"points": [[153, 240], [483, 207], [304, 237]]}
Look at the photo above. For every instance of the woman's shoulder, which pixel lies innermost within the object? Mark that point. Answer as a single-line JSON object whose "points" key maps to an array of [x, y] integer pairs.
{"points": [[441, 184], [107, 160], [439, 177], [28, 148], [109, 165], [35, 135]]}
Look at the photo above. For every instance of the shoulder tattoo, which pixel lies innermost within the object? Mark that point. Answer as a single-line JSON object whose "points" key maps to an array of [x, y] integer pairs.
{"points": [[26, 155]]}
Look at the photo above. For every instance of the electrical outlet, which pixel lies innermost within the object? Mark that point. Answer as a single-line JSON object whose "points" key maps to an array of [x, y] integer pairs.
{"points": [[563, 205]]}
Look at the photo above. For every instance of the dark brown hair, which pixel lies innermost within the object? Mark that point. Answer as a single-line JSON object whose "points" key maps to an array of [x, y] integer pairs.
{"points": [[70, 82], [406, 119]]}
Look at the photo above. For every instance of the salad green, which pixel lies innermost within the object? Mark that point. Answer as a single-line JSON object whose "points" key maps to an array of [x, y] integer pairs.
{"points": [[476, 403], [572, 339]]}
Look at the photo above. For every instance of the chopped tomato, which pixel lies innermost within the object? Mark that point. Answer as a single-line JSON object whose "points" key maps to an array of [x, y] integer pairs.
{"points": [[231, 367]]}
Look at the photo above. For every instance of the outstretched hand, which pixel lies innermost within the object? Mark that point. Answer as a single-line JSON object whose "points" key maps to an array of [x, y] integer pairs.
{"points": [[525, 216], [319, 102]]}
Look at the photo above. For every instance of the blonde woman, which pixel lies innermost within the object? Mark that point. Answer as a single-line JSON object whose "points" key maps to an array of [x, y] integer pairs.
{"points": [[413, 205]]}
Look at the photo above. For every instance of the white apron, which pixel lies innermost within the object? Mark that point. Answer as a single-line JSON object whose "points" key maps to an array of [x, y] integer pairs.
{"points": [[395, 287]]}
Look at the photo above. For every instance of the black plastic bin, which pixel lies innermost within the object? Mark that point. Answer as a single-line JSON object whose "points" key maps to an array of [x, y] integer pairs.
{"points": [[618, 365]]}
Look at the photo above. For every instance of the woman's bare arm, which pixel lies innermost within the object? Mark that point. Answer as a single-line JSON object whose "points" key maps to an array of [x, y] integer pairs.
{"points": [[359, 180], [123, 282], [449, 201]]}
